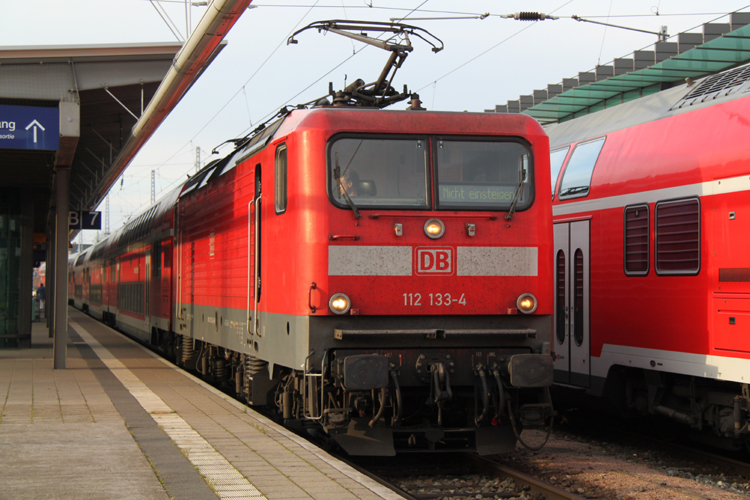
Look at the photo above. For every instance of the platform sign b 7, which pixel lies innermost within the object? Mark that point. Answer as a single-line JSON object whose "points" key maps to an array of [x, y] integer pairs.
{"points": [[84, 220]]}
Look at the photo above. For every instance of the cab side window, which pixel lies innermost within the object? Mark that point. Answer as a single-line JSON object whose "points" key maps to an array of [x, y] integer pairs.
{"points": [[576, 180], [556, 159], [280, 188]]}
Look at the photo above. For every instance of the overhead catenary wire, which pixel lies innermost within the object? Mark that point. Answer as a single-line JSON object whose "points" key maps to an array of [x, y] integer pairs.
{"points": [[309, 8], [486, 51], [241, 89], [287, 101], [604, 36], [167, 20], [721, 14], [275, 109], [317, 5], [656, 12]]}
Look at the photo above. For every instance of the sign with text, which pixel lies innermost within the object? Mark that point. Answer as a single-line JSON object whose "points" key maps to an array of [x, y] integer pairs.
{"points": [[85, 220], [27, 127], [434, 260], [476, 194]]}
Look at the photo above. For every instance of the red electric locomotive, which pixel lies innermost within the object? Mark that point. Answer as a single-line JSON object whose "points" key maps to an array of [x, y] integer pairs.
{"points": [[651, 218], [382, 275]]}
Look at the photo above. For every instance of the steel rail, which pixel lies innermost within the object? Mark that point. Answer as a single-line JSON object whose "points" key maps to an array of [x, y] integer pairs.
{"points": [[550, 492]]}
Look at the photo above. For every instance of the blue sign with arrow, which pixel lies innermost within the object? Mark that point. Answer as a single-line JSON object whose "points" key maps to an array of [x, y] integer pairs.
{"points": [[26, 127]]}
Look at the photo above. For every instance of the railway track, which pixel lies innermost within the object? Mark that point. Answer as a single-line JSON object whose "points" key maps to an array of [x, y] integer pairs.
{"points": [[456, 476], [654, 444], [730, 465], [443, 476], [635, 432]]}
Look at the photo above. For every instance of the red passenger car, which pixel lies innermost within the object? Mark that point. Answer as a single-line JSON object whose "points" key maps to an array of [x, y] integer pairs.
{"points": [[651, 223]]}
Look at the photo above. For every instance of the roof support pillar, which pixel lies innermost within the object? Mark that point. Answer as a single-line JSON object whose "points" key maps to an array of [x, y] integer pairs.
{"points": [[26, 268], [50, 284], [62, 185]]}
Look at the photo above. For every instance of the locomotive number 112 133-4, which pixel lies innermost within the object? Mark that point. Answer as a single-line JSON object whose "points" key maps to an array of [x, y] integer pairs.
{"points": [[433, 299]]}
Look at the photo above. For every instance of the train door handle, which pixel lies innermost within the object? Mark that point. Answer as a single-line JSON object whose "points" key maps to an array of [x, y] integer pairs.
{"points": [[313, 286]]}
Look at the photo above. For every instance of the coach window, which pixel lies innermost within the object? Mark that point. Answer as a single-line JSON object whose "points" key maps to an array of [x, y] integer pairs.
{"points": [[560, 297], [483, 174], [556, 159], [678, 233], [156, 265], [636, 240], [576, 179], [281, 179], [378, 172]]}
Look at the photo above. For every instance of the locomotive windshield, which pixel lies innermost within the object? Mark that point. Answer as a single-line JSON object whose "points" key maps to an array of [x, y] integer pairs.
{"points": [[471, 174], [379, 172], [482, 174]]}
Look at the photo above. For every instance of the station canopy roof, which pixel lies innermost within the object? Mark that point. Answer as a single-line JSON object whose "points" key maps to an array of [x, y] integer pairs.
{"points": [[717, 47], [111, 84]]}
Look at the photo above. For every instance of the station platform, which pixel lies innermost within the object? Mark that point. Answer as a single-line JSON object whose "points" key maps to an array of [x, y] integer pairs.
{"points": [[121, 423]]}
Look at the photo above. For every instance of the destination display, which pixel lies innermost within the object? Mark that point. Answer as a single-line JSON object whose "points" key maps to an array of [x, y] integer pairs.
{"points": [[27, 127], [476, 194]]}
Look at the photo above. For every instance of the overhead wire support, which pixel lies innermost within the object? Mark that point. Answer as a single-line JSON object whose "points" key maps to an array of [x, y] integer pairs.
{"points": [[539, 16], [663, 36], [478, 16]]}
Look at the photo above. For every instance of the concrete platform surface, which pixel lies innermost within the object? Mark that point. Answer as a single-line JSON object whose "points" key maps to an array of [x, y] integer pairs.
{"points": [[120, 422]]}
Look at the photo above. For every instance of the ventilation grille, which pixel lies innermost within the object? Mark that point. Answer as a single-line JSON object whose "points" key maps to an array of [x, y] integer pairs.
{"points": [[636, 240], [721, 84], [734, 275], [678, 237]]}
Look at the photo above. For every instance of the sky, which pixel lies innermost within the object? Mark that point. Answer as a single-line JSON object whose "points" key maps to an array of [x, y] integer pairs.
{"points": [[485, 61]]}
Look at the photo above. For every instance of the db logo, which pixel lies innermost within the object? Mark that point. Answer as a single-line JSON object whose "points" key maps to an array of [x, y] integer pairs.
{"points": [[434, 260]]}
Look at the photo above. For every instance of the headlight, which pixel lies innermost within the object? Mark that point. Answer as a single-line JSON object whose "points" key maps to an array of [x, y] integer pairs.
{"points": [[434, 228], [339, 303], [526, 303]]}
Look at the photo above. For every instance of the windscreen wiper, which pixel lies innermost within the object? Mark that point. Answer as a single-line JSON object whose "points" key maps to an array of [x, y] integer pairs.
{"points": [[342, 189], [574, 190], [516, 197]]}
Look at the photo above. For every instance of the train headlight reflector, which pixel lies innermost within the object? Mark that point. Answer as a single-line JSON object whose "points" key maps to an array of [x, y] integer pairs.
{"points": [[434, 228], [339, 303], [526, 303]]}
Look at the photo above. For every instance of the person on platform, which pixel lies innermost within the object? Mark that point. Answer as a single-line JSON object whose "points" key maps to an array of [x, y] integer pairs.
{"points": [[40, 296]]}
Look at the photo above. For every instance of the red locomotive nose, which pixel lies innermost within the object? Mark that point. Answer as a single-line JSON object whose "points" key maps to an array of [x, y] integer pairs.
{"points": [[358, 264]]}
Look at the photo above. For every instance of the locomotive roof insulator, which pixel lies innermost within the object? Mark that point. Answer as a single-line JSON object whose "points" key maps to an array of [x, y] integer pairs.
{"points": [[415, 104]]}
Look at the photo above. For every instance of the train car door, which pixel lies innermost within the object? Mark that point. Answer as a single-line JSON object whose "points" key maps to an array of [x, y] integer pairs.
{"points": [[572, 339]]}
